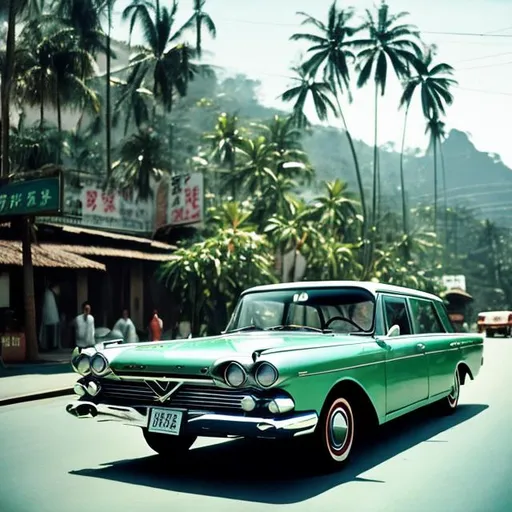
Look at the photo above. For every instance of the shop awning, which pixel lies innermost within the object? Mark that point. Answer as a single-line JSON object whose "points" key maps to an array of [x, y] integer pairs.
{"points": [[45, 256], [111, 252]]}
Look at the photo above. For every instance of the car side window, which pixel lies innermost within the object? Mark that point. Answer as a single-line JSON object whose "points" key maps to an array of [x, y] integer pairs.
{"points": [[395, 313], [425, 314]]}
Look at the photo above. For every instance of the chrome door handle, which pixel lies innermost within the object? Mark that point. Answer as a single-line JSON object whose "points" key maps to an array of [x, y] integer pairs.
{"points": [[420, 346], [455, 344]]}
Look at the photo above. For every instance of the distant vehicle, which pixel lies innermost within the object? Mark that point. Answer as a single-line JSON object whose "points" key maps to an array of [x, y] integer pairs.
{"points": [[495, 322], [317, 362]]}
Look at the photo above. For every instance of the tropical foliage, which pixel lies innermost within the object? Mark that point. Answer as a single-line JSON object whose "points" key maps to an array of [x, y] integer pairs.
{"points": [[268, 215]]}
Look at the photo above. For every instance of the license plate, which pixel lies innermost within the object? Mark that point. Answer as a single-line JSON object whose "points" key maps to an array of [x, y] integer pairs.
{"points": [[165, 421]]}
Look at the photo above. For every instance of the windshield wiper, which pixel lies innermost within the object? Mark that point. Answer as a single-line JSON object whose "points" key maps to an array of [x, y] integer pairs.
{"points": [[297, 328], [246, 328]]}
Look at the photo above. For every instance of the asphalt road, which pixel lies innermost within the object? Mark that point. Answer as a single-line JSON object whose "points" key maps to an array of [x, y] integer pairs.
{"points": [[50, 461]]}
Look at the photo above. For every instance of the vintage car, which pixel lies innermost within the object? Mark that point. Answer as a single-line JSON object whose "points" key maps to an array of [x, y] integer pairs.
{"points": [[313, 362], [495, 322]]}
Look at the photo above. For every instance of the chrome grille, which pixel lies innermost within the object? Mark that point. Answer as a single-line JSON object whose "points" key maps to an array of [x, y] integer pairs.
{"points": [[202, 398]]}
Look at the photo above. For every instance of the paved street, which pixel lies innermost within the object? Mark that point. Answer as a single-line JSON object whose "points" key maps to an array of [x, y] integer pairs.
{"points": [[52, 462]]}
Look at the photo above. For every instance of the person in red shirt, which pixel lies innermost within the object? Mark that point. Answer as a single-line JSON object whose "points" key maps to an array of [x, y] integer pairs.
{"points": [[156, 327]]}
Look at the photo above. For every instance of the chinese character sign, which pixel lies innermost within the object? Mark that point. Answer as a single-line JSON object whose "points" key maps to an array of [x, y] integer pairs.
{"points": [[186, 199], [41, 196]]}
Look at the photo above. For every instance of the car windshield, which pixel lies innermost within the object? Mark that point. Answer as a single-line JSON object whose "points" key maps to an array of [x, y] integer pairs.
{"points": [[339, 310]]}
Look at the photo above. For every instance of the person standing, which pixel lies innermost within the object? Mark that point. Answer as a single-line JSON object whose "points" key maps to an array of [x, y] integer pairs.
{"points": [[84, 327], [49, 336], [126, 327], [156, 327]]}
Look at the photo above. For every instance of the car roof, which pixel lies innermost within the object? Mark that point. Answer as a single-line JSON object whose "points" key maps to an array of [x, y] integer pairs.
{"points": [[370, 286]]}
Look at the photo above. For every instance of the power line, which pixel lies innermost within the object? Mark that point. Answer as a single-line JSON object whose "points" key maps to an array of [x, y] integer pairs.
{"points": [[498, 93], [485, 57], [465, 34], [496, 64]]}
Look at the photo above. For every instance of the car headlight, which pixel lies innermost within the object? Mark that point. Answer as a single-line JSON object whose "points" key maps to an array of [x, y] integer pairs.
{"points": [[99, 364], [83, 364], [266, 375], [235, 375]]}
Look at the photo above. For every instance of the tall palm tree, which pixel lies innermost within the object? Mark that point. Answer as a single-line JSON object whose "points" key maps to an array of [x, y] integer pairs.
{"points": [[331, 55], [162, 57], [388, 42], [51, 65], [433, 82], [436, 130], [196, 21], [321, 93]]}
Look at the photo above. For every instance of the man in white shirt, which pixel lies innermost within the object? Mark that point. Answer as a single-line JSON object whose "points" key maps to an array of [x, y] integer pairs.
{"points": [[127, 328], [84, 325]]}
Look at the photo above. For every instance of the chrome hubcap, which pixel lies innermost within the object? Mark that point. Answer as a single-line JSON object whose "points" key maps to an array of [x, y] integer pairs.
{"points": [[338, 429], [455, 387]]}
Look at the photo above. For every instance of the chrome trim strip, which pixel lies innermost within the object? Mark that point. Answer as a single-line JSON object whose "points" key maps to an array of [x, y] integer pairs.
{"points": [[185, 380], [204, 423], [423, 354]]}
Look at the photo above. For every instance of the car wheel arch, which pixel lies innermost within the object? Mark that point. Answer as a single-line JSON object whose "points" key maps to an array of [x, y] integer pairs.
{"points": [[464, 371], [360, 400]]}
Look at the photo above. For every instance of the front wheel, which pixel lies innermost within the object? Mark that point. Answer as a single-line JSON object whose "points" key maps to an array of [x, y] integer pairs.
{"points": [[166, 445], [334, 436]]}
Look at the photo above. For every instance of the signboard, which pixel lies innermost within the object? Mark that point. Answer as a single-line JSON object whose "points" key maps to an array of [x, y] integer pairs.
{"points": [[88, 204], [40, 196], [450, 282], [180, 201]]}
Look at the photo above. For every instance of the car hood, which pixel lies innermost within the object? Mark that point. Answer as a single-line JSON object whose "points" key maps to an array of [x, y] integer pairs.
{"points": [[194, 357]]}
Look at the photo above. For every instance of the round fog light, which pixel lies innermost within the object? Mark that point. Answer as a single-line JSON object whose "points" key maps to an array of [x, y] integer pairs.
{"points": [[93, 388], [78, 389], [248, 403]]}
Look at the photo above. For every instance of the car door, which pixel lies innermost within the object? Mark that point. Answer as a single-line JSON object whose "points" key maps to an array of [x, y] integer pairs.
{"points": [[441, 351], [406, 363]]}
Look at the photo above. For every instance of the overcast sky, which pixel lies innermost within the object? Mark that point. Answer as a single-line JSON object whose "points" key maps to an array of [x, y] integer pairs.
{"points": [[253, 39]]}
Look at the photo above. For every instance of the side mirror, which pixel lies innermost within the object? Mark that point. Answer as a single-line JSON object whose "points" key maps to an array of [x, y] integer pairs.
{"points": [[394, 330]]}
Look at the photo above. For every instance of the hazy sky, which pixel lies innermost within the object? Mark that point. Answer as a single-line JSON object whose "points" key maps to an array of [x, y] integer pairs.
{"points": [[253, 39]]}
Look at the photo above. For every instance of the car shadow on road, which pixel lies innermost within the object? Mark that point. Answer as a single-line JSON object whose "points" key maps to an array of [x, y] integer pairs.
{"points": [[267, 472]]}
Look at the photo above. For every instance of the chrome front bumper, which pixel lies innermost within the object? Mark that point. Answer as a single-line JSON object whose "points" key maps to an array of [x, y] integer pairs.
{"points": [[204, 424]]}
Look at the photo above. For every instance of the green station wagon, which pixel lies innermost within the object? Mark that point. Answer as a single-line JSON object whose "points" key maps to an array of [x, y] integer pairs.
{"points": [[316, 361]]}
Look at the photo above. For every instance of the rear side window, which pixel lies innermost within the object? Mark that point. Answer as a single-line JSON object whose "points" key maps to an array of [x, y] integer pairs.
{"points": [[425, 316], [395, 313]]}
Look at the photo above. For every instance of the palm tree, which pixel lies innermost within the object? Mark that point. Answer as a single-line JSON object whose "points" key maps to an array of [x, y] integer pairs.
{"points": [[321, 94], [436, 130], [51, 65], [163, 58], [387, 43], [434, 85], [196, 21], [331, 55], [17, 7], [224, 140], [142, 156]]}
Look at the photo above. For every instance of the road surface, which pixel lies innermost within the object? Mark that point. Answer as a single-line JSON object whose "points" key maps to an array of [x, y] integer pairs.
{"points": [[52, 462]]}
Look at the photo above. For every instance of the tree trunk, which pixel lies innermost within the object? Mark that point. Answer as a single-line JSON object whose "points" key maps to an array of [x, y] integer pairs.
{"points": [[375, 154], [41, 105], [402, 179], [445, 198], [108, 120], [435, 185], [59, 121], [28, 291], [198, 35], [6, 87], [358, 170]]}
